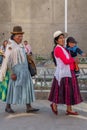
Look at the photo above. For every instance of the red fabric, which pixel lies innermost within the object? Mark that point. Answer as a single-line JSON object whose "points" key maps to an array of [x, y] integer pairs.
{"points": [[58, 52]]}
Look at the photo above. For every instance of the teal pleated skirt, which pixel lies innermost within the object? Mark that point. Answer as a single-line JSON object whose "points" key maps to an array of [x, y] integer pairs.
{"points": [[20, 91]]}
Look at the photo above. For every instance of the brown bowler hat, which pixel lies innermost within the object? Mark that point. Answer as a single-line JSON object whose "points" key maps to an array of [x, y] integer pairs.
{"points": [[17, 30]]}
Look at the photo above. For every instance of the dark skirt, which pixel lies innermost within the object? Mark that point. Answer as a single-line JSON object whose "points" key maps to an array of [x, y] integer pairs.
{"points": [[67, 93]]}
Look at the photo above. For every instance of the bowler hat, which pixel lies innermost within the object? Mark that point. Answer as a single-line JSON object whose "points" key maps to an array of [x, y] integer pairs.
{"points": [[17, 30], [58, 33]]}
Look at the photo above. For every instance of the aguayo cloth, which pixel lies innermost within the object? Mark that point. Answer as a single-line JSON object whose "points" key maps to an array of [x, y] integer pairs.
{"points": [[4, 87], [19, 91]]}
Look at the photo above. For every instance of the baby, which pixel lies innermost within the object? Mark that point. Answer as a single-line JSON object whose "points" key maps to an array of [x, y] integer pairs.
{"points": [[74, 50]]}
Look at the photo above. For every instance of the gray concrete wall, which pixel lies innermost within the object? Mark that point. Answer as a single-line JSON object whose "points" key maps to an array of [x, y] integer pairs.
{"points": [[40, 18], [5, 19]]}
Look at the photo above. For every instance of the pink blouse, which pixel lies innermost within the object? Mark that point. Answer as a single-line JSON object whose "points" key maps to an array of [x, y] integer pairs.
{"points": [[58, 53]]}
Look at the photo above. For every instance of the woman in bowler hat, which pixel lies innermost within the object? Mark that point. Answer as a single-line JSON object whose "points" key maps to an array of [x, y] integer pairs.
{"points": [[20, 87]]}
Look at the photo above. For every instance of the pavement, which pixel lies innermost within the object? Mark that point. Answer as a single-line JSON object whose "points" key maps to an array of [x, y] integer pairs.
{"points": [[44, 119]]}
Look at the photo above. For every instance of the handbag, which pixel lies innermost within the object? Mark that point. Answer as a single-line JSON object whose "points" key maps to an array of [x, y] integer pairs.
{"points": [[31, 65]]}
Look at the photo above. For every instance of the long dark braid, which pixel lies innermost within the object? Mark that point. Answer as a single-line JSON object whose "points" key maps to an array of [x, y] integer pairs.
{"points": [[52, 53]]}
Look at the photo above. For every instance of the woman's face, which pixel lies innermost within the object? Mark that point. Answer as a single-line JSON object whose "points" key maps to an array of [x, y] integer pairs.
{"points": [[61, 40], [18, 38], [5, 43]]}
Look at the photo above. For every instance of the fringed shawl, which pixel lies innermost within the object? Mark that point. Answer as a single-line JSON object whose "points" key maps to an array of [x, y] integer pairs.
{"points": [[13, 55]]}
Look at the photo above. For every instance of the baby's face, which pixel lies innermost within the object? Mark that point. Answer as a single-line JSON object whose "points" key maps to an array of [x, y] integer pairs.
{"points": [[25, 43], [71, 44]]}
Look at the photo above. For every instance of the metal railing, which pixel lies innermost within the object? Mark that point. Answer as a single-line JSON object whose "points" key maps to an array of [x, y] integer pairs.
{"points": [[82, 60], [44, 79], [45, 73]]}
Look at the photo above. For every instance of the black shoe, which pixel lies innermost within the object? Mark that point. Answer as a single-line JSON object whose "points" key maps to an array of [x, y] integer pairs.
{"points": [[77, 73], [32, 110], [9, 110]]}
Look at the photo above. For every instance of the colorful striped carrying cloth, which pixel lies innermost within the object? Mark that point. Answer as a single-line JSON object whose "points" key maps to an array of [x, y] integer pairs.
{"points": [[4, 87]]}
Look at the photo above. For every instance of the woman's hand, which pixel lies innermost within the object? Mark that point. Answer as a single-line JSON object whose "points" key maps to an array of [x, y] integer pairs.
{"points": [[13, 77]]}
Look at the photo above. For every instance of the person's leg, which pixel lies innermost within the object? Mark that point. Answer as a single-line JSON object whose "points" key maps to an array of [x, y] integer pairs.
{"points": [[69, 111], [69, 108], [76, 67], [8, 108], [77, 70], [54, 108], [29, 108]]}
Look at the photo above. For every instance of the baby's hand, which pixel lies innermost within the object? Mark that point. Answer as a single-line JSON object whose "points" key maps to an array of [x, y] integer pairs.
{"points": [[84, 54], [77, 60]]}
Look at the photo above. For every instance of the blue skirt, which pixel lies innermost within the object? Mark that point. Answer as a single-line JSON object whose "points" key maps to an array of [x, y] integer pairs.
{"points": [[20, 91]]}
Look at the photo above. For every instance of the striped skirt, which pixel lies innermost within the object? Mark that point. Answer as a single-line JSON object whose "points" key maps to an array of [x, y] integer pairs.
{"points": [[67, 93]]}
